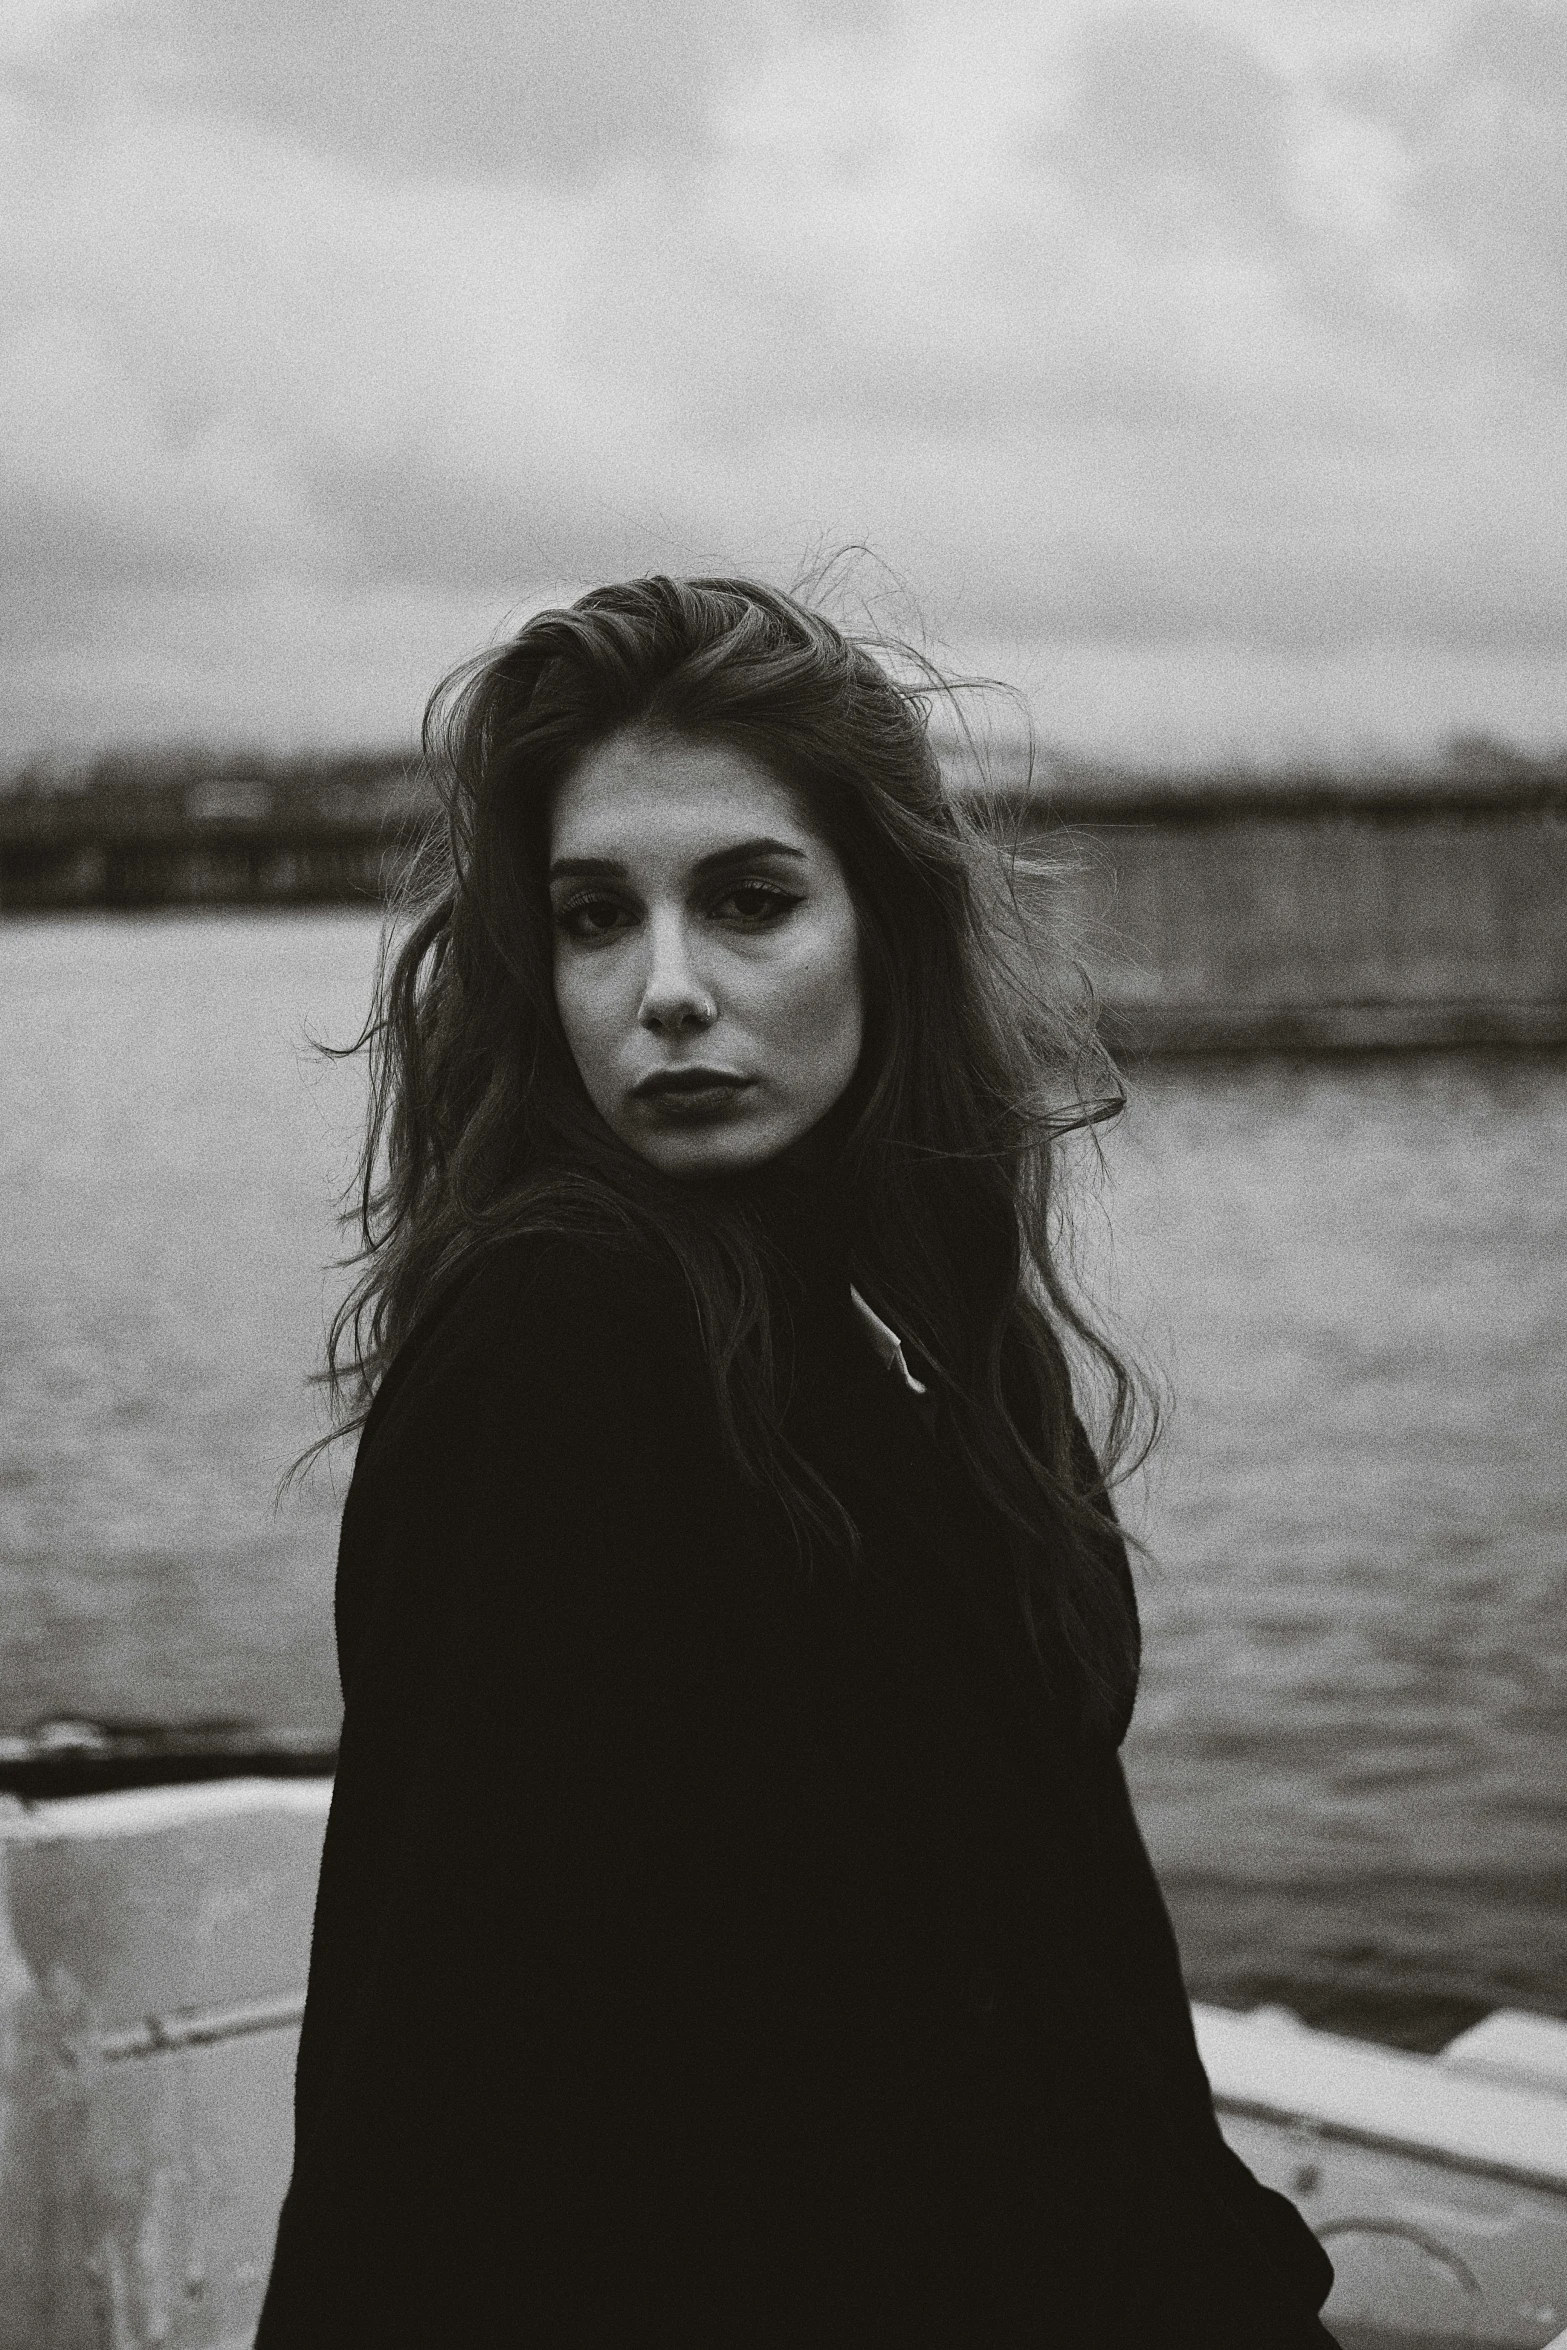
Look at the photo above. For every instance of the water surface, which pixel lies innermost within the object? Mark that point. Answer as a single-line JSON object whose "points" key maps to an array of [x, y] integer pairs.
{"points": [[1352, 1274]]}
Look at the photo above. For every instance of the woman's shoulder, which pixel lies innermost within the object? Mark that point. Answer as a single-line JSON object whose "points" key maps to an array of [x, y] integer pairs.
{"points": [[553, 1390], [548, 1314], [533, 1280]]}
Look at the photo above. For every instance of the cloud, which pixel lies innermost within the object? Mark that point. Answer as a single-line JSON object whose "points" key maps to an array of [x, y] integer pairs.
{"points": [[1170, 108], [1226, 335], [563, 88]]}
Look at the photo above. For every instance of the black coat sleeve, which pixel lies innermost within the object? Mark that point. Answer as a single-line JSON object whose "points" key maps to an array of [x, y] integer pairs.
{"points": [[1136, 1942], [541, 1779], [1219, 2199]]}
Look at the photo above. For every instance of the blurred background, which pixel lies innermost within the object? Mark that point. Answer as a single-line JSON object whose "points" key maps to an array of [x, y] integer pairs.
{"points": [[1196, 368]]}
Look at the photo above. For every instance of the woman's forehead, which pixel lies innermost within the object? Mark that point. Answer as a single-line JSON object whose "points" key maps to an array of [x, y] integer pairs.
{"points": [[659, 800]]}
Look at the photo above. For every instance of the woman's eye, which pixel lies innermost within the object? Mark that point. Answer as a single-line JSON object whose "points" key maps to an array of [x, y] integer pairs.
{"points": [[590, 918], [756, 902]]}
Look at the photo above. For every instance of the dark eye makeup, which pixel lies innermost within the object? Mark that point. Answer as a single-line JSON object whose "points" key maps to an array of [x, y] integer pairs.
{"points": [[758, 902], [589, 915], [751, 904]]}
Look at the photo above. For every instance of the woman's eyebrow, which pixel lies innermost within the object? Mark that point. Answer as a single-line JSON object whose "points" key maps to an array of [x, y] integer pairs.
{"points": [[741, 853], [744, 850]]}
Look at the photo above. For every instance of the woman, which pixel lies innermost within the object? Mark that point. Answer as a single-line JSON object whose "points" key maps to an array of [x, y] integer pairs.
{"points": [[732, 1927]]}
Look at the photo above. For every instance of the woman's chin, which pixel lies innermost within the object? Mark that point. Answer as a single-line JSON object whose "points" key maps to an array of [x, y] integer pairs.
{"points": [[718, 1151]]}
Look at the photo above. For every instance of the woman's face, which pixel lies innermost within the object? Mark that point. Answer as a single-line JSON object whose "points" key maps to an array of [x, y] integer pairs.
{"points": [[706, 954]]}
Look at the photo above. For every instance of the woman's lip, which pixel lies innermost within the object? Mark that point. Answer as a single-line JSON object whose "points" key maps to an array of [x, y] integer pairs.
{"points": [[666, 1082], [692, 1097]]}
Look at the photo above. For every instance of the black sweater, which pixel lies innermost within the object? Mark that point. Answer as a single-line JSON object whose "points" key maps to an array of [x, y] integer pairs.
{"points": [[708, 1954]]}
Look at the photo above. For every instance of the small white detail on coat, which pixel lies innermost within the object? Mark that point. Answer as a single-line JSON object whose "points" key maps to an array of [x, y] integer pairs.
{"points": [[887, 1343]]}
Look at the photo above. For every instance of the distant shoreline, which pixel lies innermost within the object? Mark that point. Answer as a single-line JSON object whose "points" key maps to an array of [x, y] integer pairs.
{"points": [[1233, 912]]}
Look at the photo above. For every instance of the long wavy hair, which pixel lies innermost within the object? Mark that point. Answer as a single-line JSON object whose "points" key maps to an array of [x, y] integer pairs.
{"points": [[979, 1054]]}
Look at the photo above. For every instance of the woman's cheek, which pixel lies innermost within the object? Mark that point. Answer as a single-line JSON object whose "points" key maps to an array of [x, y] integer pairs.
{"points": [[584, 1007], [823, 1014]]}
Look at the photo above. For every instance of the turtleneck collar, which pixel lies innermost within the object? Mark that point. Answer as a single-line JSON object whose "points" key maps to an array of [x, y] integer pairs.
{"points": [[801, 1211]]}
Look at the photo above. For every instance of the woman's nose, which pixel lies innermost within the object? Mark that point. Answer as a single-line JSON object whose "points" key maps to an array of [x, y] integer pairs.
{"points": [[673, 995]]}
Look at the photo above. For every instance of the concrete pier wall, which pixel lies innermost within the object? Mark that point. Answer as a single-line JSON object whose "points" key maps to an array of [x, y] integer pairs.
{"points": [[1338, 924], [153, 1947]]}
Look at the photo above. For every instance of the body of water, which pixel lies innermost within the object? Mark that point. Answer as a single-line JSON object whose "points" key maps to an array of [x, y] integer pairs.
{"points": [[1350, 1273]]}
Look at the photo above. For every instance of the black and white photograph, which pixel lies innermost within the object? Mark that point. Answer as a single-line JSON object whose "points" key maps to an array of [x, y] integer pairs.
{"points": [[783, 1175]]}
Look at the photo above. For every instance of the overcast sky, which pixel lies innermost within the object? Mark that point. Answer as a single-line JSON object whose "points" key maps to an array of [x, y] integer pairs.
{"points": [[1200, 366]]}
